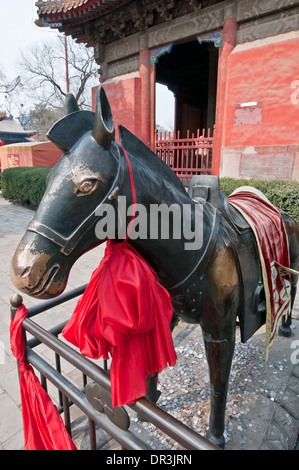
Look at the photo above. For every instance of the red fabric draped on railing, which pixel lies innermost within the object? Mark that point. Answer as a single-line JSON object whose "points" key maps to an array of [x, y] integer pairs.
{"points": [[42, 424]]}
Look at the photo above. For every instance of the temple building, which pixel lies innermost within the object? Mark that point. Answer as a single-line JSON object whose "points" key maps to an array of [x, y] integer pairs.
{"points": [[232, 66], [12, 132]]}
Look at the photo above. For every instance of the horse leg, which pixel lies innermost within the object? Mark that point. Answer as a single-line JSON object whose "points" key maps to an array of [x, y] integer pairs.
{"points": [[285, 328], [152, 393], [219, 353]]}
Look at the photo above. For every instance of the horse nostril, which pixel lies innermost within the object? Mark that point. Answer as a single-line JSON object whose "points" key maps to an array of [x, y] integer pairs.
{"points": [[26, 272]]}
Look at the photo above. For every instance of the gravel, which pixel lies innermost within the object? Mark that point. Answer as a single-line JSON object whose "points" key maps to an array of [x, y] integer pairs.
{"points": [[253, 389]]}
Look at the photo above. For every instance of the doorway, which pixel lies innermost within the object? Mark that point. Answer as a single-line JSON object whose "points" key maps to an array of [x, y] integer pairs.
{"points": [[190, 72]]}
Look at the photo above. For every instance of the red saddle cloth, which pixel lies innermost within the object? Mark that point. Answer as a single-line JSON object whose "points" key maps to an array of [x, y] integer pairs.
{"points": [[126, 313], [271, 237]]}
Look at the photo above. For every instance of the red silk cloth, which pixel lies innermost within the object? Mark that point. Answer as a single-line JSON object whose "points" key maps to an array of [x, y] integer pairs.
{"points": [[126, 313], [267, 225], [42, 424]]}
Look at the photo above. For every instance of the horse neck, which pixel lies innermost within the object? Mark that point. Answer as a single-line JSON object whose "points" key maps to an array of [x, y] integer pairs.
{"points": [[168, 257]]}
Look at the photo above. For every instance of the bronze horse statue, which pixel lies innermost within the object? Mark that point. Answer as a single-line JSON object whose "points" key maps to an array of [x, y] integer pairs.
{"points": [[215, 285]]}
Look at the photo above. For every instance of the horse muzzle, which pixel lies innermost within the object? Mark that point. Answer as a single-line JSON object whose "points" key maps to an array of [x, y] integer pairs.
{"points": [[37, 270]]}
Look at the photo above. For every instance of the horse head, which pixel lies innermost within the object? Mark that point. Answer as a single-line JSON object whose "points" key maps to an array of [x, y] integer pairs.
{"points": [[64, 225]]}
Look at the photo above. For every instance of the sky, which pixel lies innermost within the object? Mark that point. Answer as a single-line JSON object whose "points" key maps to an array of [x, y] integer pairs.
{"points": [[18, 32]]}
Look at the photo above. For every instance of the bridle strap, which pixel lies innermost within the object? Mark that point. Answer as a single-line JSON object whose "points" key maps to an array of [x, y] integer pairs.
{"points": [[48, 233], [204, 259], [68, 244]]}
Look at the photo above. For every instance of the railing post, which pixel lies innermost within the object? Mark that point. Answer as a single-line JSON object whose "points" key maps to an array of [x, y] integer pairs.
{"points": [[155, 141], [16, 302]]}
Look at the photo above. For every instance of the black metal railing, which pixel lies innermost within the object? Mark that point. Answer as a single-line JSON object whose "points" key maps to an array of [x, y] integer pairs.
{"points": [[70, 394]]}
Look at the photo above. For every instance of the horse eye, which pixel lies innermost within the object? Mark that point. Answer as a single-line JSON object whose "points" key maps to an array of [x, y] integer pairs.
{"points": [[86, 187]]}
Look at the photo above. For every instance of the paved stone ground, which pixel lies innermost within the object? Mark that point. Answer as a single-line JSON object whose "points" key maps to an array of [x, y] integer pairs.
{"points": [[13, 222], [263, 401]]}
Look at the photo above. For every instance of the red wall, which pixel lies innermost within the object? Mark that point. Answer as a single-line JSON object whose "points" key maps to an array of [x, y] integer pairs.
{"points": [[262, 141], [124, 95], [29, 154], [264, 74]]}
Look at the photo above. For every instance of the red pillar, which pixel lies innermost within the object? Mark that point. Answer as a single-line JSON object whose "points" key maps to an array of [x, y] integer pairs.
{"points": [[145, 75], [153, 104], [230, 27]]}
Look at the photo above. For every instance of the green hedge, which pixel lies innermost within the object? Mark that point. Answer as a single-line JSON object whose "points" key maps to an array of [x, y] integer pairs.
{"points": [[282, 194], [25, 185]]}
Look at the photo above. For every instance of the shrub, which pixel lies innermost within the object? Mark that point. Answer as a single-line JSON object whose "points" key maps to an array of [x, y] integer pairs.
{"points": [[25, 185], [282, 194]]}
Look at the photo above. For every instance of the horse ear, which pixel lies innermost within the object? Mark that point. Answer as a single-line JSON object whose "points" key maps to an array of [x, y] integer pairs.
{"points": [[70, 105], [103, 130]]}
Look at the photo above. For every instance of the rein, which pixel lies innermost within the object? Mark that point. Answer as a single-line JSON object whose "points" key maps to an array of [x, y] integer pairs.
{"points": [[204, 259], [133, 193]]}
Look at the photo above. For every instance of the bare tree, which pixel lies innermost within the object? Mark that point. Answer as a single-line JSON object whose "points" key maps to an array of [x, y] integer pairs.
{"points": [[8, 86], [7, 89], [43, 72]]}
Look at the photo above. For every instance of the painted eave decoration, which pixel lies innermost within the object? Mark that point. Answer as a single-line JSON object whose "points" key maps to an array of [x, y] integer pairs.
{"points": [[55, 11]]}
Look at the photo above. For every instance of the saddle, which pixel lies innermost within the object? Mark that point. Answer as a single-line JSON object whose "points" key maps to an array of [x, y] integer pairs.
{"points": [[206, 188]]}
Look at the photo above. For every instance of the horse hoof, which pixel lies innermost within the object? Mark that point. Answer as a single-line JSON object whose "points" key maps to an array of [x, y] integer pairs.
{"points": [[285, 331], [218, 441]]}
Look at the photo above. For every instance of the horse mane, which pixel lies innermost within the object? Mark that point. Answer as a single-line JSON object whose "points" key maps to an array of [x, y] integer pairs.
{"points": [[141, 152]]}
